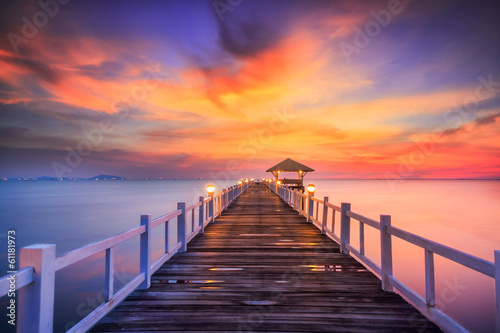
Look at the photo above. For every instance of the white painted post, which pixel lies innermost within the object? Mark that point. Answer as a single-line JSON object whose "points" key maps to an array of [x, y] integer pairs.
{"points": [[110, 274], [181, 227], [145, 246], [36, 300], [310, 206], [167, 243], [193, 227], [301, 203], [211, 205], [430, 288], [497, 286], [217, 209], [361, 238], [325, 216], [345, 227], [386, 251], [200, 215], [224, 201]]}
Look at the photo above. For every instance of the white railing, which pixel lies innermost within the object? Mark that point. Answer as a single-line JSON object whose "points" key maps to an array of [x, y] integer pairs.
{"points": [[35, 279], [309, 206]]}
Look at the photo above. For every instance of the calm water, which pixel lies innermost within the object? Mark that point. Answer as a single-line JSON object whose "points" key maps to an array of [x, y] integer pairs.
{"points": [[461, 214]]}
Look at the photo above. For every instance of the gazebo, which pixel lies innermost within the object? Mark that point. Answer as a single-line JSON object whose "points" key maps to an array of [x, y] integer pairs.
{"points": [[290, 165]]}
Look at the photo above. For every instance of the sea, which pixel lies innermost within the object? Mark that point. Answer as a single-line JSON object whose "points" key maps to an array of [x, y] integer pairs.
{"points": [[462, 214]]}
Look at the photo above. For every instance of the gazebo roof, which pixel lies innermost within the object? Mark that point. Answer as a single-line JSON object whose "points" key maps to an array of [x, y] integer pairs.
{"points": [[289, 165]]}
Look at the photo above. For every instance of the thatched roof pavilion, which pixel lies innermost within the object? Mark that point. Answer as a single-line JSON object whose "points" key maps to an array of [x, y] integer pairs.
{"points": [[290, 165]]}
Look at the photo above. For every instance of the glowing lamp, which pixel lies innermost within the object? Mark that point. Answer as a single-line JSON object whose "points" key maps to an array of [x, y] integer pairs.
{"points": [[240, 182], [311, 189], [278, 182], [210, 189]]}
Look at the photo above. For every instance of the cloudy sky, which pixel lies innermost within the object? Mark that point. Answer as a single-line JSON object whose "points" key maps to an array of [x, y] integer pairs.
{"points": [[204, 88]]}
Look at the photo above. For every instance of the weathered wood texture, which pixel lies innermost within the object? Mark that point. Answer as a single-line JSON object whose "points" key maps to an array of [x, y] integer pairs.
{"points": [[262, 268]]}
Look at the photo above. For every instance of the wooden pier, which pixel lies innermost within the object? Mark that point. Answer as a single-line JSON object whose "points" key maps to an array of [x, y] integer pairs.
{"points": [[261, 267], [250, 258]]}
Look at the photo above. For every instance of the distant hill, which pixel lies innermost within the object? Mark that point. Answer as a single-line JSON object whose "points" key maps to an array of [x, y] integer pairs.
{"points": [[107, 177], [46, 178], [100, 177]]}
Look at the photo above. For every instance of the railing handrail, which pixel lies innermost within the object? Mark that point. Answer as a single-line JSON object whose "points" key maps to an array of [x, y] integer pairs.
{"points": [[72, 257], [427, 305], [460, 257], [30, 281]]}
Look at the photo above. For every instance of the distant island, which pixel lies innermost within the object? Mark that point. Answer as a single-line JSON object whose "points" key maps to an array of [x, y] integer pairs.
{"points": [[99, 177]]}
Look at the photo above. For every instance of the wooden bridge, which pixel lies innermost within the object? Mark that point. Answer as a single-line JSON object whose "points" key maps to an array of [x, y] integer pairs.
{"points": [[254, 258], [261, 267]]}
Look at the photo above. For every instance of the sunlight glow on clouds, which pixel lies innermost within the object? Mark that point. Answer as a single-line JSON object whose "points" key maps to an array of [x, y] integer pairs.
{"points": [[268, 82]]}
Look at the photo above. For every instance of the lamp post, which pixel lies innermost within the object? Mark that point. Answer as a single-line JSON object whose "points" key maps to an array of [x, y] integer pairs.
{"points": [[210, 191], [310, 194]]}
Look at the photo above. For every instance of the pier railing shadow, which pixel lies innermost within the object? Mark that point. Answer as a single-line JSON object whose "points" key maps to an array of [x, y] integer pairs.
{"points": [[35, 279], [309, 206]]}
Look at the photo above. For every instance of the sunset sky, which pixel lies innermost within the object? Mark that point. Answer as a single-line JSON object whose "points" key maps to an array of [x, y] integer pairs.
{"points": [[228, 88]]}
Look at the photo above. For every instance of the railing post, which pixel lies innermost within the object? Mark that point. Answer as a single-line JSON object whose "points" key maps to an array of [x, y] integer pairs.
{"points": [[325, 216], [386, 251], [109, 274], [345, 227], [200, 215], [224, 200], [181, 227], [167, 243], [211, 205], [497, 287], [36, 300], [430, 287], [218, 209], [301, 203], [310, 206], [145, 246]]}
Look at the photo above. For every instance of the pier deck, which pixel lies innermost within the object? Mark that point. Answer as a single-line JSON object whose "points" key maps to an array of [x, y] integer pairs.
{"points": [[262, 268]]}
